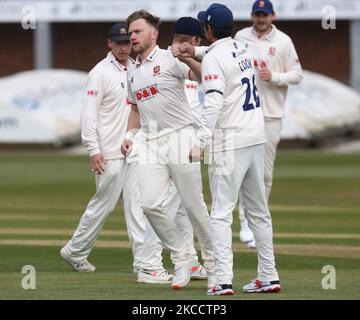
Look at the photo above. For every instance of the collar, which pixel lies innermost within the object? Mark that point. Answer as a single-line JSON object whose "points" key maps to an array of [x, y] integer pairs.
{"points": [[116, 63], [269, 36], [218, 42], [150, 57]]}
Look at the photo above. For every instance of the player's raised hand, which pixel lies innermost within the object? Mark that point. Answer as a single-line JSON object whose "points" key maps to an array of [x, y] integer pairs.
{"points": [[183, 50], [196, 154], [98, 163], [126, 147]]}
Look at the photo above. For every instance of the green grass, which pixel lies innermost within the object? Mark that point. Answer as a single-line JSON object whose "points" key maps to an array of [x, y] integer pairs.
{"points": [[314, 192]]}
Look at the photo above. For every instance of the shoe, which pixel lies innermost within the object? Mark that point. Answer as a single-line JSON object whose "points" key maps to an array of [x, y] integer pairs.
{"points": [[221, 290], [198, 272], [84, 266], [211, 281], [182, 273], [148, 276], [246, 236], [262, 286]]}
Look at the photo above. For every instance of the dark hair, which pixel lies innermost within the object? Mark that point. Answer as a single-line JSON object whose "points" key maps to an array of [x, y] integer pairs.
{"points": [[147, 16], [220, 33]]}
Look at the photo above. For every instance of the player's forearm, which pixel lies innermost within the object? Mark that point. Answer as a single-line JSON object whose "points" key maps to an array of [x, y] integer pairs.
{"points": [[89, 125], [212, 106], [195, 68], [90, 142], [133, 123], [291, 77]]}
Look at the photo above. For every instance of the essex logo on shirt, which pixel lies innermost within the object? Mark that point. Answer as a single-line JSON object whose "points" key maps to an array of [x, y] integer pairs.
{"points": [[92, 93], [272, 51], [146, 93], [156, 71], [209, 77]]}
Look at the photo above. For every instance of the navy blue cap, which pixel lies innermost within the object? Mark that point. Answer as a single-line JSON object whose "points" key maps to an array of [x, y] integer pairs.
{"points": [[218, 16], [264, 6], [189, 26], [119, 32]]}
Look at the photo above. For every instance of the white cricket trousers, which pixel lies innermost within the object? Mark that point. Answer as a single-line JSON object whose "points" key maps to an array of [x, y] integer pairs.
{"points": [[161, 161], [228, 171], [272, 129], [119, 177], [151, 256]]}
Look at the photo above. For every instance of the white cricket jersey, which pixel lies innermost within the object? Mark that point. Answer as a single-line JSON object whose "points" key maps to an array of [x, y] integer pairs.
{"points": [[105, 109], [232, 113], [276, 51], [156, 86]]}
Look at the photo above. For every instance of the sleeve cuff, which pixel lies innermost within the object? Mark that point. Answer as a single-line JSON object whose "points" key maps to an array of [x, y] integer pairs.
{"points": [[94, 152], [275, 77], [200, 52], [130, 102]]}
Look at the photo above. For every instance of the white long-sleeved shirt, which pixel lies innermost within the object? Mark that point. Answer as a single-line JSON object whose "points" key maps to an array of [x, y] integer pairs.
{"points": [[191, 89], [277, 52], [155, 85], [105, 110], [231, 117]]}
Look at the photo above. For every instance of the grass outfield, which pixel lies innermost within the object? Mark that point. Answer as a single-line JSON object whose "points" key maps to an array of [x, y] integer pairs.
{"points": [[315, 207]]}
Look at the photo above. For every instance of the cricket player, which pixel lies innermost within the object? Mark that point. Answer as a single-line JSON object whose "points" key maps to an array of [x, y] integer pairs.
{"points": [[186, 29], [159, 104], [104, 119], [276, 67], [233, 130]]}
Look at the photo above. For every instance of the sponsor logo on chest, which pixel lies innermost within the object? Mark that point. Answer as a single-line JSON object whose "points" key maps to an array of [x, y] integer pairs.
{"points": [[146, 93]]}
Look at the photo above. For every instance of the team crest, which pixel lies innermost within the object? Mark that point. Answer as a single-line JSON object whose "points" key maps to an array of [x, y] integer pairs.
{"points": [[123, 31], [272, 51], [156, 71], [261, 4]]}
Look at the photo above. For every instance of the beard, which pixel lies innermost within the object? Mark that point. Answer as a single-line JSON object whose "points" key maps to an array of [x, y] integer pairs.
{"points": [[142, 47]]}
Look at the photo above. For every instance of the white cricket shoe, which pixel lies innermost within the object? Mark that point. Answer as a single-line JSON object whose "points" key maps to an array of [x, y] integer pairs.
{"points": [[246, 236], [182, 273], [198, 272], [149, 276], [84, 266], [257, 286], [221, 290]]}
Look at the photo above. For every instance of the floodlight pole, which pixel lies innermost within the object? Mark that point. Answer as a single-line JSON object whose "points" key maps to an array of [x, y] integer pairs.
{"points": [[43, 46]]}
